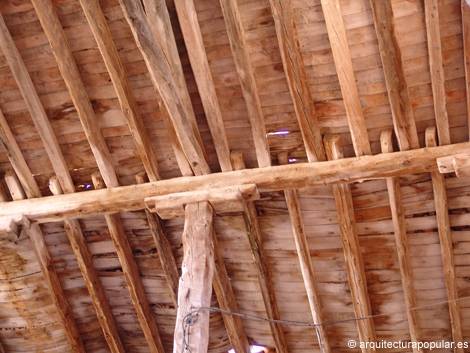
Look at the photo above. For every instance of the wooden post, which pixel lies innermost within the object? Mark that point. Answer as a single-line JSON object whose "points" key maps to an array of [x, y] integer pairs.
{"points": [[195, 286]]}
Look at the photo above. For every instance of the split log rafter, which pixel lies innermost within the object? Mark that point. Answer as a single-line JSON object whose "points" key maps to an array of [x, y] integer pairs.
{"points": [[445, 239], [390, 53], [236, 34], [173, 91], [401, 239], [297, 79], [267, 290], [352, 251], [344, 68]]}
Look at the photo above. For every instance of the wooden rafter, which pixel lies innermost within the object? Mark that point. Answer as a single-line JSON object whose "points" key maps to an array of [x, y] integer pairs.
{"points": [[132, 275], [255, 239], [445, 238], [437, 70], [402, 113], [466, 49], [227, 301], [68, 68], [189, 24], [294, 176], [165, 253], [352, 251], [108, 50], [401, 239], [165, 78], [347, 80], [9, 144], [299, 88], [52, 281], [195, 287], [236, 35], [92, 281], [306, 266], [35, 107]]}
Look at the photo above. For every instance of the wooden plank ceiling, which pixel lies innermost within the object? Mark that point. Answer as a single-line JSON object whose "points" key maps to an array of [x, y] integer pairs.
{"points": [[207, 175]]}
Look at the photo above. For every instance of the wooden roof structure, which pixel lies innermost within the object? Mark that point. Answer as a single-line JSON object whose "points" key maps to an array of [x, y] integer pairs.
{"points": [[205, 175]]}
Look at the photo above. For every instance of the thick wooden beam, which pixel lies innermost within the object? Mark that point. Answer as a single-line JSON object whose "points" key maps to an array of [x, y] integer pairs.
{"points": [[294, 176], [108, 50], [35, 108], [132, 275], [255, 239], [466, 50], [447, 251], [347, 80], [227, 301], [431, 8], [299, 87], [189, 24], [165, 74], [165, 253], [7, 140], [68, 68], [53, 284], [402, 113], [352, 251], [14, 186], [195, 287], [236, 35], [401, 239], [306, 266], [92, 280]]}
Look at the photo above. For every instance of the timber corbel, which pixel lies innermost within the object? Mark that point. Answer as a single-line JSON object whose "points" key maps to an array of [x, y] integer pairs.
{"points": [[227, 199], [457, 163]]}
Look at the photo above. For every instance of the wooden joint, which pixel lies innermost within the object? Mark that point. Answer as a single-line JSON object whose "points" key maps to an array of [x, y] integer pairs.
{"points": [[458, 163], [223, 200]]}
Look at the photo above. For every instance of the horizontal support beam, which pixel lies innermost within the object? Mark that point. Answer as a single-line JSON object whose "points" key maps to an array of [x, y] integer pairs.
{"points": [[293, 176]]}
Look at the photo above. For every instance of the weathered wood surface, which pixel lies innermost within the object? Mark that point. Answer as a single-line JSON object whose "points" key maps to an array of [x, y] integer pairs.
{"points": [[352, 251], [466, 47], [299, 89], [173, 90], [238, 45], [223, 200], [261, 261], [108, 50], [305, 260], [133, 279], [195, 285], [295, 176], [344, 67], [401, 239], [68, 68], [187, 17], [390, 53], [447, 249]]}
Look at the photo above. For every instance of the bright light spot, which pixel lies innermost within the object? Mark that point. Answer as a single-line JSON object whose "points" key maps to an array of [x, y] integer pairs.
{"points": [[468, 2], [88, 186], [254, 349], [291, 160], [281, 132]]}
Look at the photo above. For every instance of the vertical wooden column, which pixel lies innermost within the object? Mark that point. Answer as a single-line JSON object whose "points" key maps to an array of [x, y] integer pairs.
{"points": [[195, 286]]}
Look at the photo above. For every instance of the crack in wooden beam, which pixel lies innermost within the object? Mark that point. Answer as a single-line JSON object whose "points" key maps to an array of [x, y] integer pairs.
{"points": [[241, 56], [390, 53], [347, 80], [192, 36], [261, 262], [445, 239], [401, 240], [352, 251], [299, 88], [431, 8], [113, 63], [163, 64]]}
